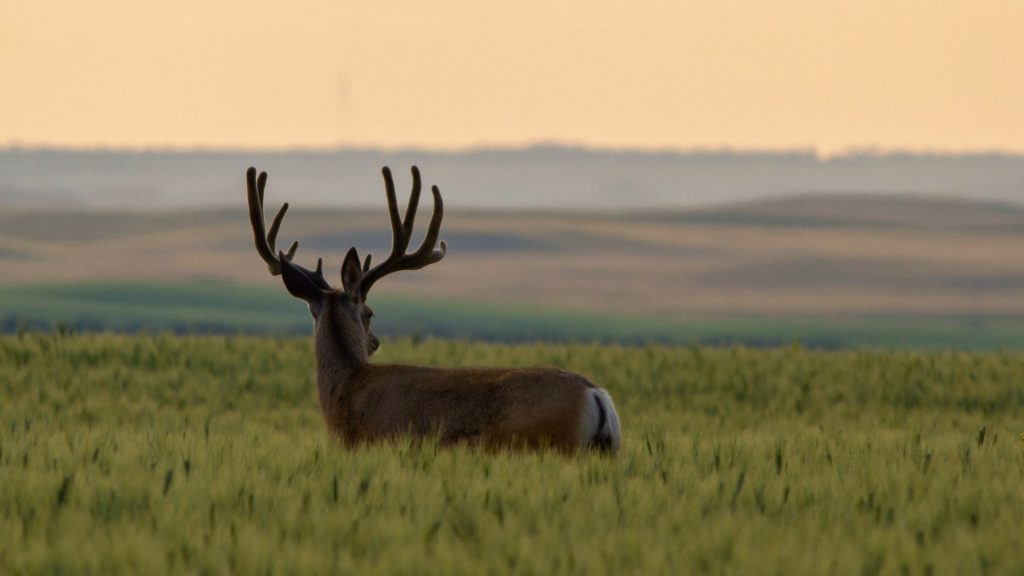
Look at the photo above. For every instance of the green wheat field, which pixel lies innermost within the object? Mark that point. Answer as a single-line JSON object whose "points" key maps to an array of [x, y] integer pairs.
{"points": [[158, 454]]}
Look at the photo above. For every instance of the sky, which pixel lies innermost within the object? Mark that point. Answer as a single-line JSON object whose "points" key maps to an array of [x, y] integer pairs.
{"points": [[828, 75]]}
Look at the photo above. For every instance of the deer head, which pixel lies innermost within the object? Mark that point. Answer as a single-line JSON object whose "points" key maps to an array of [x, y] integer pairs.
{"points": [[342, 316]]}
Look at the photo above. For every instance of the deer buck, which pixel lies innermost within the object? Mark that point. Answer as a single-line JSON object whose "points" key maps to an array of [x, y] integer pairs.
{"points": [[363, 402]]}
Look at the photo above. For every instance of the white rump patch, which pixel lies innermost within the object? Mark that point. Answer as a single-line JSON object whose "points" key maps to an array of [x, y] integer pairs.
{"points": [[593, 432], [589, 419]]}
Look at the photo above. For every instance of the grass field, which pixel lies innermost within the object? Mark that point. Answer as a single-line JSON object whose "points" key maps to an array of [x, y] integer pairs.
{"points": [[163, 454]]}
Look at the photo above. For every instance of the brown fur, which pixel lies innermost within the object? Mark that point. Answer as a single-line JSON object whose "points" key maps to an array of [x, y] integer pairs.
{"points": [[361, 402], [530, 407]]}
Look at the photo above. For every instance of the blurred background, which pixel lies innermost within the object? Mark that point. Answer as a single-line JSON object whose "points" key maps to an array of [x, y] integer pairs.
{"points": [[830, 173]]}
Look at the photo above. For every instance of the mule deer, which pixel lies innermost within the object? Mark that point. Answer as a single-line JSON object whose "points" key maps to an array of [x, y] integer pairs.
{"points": [[361, 402]]}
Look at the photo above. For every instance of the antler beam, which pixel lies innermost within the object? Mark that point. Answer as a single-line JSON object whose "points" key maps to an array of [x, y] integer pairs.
{"points": [[429, 251], [266, 241]]}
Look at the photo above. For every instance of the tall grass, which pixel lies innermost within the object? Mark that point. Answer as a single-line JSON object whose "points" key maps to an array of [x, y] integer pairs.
{"points": [[161, 454]]}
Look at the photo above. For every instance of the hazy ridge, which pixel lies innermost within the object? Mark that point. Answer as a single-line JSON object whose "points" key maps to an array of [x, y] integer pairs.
{"points": [[807, 254], [162, 241], [539, 177]]}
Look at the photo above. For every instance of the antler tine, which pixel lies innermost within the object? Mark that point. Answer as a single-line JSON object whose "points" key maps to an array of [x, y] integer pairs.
{"points": [[410, 210], [266, 241], [275, 225], [401, 234], [433, 231], [254, 188], [398, 241]]}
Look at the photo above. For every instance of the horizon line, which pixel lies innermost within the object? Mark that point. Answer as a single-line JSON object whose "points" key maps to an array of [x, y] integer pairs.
{"points": [[709, 150]]}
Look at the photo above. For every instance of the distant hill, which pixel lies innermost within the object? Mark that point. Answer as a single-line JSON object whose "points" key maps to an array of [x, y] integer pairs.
{"points": [[826, 254], [828, 269], [908, 211], [537, 178]]}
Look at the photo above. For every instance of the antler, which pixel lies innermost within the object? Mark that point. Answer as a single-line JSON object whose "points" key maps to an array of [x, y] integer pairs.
{"points": [[401, 233], [265, 241]]}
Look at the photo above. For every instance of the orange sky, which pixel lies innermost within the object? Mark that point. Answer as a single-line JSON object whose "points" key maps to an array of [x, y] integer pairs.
{"points": [[920, 74]]}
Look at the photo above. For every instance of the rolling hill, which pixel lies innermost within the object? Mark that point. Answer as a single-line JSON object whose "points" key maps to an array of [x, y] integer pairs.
{"points": [[832, 269]]}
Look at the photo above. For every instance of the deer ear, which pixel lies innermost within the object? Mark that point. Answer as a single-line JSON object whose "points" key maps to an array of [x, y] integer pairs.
{"points": [[351, 273], [298, 283]]}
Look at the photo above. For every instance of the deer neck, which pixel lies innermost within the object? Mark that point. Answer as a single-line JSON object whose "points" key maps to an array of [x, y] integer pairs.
{"points": [[340, 352]]}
